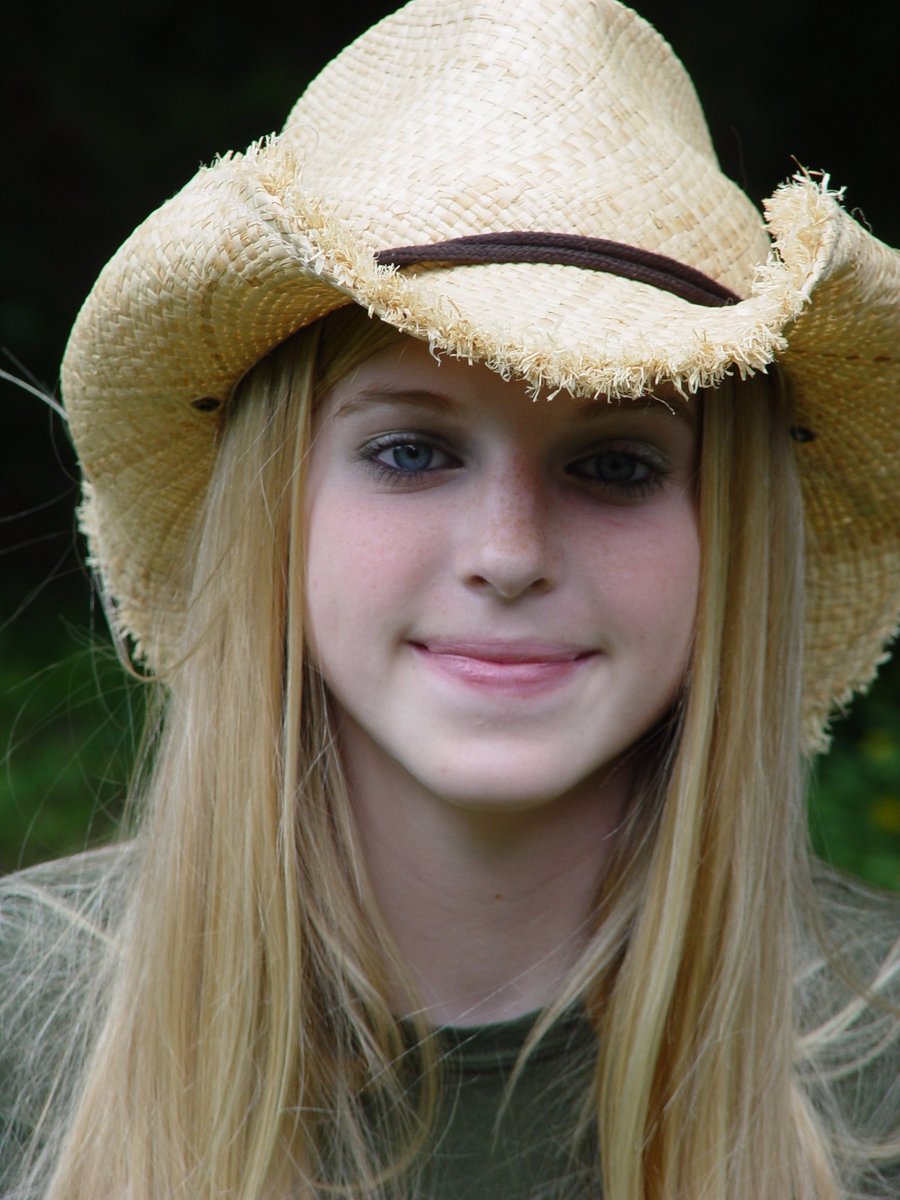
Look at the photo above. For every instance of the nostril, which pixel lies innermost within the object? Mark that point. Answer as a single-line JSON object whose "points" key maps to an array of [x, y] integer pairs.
{"points": [[509, 585]]}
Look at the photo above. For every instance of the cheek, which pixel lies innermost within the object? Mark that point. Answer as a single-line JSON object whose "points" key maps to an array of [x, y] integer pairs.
{"points": [[362, 563], [657, 574], [676, 589]]}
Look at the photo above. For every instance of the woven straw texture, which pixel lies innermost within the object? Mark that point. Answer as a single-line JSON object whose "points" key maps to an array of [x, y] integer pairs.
{"points": [[453, 118]]}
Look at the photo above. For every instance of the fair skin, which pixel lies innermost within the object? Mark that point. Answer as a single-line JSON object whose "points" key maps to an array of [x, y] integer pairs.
{"points": [[501, 596]]}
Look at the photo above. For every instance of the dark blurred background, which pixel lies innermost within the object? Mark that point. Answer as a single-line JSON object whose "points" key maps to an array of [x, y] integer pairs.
{"points": [[110, 108]]}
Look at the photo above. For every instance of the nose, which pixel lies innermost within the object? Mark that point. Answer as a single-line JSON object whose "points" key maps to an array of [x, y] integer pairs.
{"points": [[506, 540]]}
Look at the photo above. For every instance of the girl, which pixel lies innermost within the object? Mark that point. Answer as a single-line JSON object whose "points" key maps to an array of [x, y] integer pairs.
{"points": [[500, 511]]}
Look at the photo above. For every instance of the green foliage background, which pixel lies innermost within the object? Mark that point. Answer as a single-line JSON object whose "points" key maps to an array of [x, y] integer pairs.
{"points": [[110, 109]]}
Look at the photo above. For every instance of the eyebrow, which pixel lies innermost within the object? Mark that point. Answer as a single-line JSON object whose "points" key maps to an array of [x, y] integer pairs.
{"points": [[678, 405], [438, 402], [385, 394]]}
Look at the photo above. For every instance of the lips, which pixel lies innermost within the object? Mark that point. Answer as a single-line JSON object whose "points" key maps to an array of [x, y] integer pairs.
{"points": [[518, 651], [518, 668]]}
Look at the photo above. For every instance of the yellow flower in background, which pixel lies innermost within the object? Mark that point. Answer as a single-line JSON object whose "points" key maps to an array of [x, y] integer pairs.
{"points": [[879, 745], [884, 814]]}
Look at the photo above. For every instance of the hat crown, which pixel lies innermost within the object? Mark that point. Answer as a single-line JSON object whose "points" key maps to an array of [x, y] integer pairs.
{"points": [[455, 118]]}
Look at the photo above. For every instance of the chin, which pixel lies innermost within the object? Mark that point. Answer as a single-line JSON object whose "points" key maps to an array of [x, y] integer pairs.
{"points": [[503, 788]]}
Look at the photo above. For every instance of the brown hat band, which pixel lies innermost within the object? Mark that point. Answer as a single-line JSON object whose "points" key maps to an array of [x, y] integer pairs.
{"points": [[596, 254]]}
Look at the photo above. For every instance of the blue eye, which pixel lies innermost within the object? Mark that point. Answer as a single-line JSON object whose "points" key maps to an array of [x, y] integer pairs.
{"points": [[404, 457], [616, 467], [407, 456]]}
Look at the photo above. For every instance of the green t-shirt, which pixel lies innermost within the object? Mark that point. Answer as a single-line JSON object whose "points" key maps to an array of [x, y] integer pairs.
{"points": [[527, 1153]]}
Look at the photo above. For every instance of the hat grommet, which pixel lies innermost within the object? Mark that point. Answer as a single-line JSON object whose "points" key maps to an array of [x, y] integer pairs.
{"points": [[800, 433]]}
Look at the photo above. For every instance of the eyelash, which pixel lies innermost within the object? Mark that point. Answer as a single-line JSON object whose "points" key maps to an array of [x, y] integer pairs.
{"points": [[655, 465]]}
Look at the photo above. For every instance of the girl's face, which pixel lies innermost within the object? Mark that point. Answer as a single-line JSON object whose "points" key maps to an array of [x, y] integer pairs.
{"points": [[501, 591]]}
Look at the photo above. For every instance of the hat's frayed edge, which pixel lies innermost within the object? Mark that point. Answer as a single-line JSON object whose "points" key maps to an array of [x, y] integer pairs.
{"points": [[803, 217], [143, 656], [817, 722], [122, 618]]}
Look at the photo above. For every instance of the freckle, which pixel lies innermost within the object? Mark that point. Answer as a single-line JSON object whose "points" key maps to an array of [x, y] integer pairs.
{"points": [[497, 896]]}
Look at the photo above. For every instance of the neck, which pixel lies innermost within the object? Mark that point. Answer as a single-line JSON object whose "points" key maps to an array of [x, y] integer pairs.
{"points": [[489, 907]]}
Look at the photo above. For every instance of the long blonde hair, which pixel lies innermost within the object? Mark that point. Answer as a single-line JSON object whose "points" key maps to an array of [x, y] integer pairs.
{"points": [[245, 1046]]}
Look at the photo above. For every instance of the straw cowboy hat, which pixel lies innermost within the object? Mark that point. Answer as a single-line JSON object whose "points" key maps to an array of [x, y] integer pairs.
{"points": [[529, 183]]}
